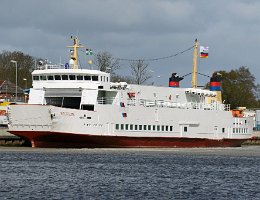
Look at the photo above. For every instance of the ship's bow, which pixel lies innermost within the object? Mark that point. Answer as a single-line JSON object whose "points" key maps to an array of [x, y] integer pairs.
{"points": [[29, 121]]}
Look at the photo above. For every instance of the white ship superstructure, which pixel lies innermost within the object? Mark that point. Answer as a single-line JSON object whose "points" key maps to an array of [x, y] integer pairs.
{"points": [[82, 108]]}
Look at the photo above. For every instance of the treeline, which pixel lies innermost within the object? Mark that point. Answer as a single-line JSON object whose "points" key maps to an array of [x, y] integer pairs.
{"points": [[238, 86], [25, 65]]}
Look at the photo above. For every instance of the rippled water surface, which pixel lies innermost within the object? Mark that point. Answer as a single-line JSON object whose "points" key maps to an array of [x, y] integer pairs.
{"points": [[230, 173]]}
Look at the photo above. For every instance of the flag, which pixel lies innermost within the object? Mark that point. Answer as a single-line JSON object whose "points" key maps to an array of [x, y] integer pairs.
{"points": [[89, 52], [204, 52]]}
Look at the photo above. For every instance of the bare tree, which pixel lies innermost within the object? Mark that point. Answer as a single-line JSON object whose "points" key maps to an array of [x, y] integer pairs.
{"points": [[105, 62], [121, 78], [139, 70]]}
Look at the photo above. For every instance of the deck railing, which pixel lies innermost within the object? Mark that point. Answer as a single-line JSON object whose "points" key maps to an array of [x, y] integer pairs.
{"points": [[162, 103]]}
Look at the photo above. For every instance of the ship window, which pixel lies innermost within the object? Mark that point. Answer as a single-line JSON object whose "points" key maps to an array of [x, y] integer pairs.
{"points": [[43, 78], [154, 127], [94, 78], [223, 130], [126, 127], [234, 130], [117, 126], [79, 77], [158, 128], [50, 78], [104, 78], [35, 78], [162, 128], [185, 129], [145, 126], [107, 79], [72, 77], [149, 127], [136, 127], [171, 128], [87, 107], [66, 102], [64, 77], [140, 127], [131, 126], [245, 121], [122, 127], [57, 77], [55, 101], [87, 78], [166, 128], [71, 102], [101, 78]]}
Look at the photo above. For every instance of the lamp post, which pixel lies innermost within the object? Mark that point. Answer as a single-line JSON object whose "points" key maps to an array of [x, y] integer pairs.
{"points": [[25, 90], [14, 61], [25, 83]]}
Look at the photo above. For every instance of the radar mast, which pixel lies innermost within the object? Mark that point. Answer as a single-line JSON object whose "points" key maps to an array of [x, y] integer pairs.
{"points": [[74, 53]]}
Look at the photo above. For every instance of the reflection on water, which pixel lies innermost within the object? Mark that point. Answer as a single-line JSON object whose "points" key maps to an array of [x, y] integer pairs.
{"points": [[222, 173]]}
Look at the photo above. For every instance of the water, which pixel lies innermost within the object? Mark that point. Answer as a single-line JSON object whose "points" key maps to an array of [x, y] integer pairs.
{"points": [[228, 173]]}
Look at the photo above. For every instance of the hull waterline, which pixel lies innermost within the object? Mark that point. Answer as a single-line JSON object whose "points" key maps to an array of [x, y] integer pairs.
{"points": [[68, 140]]}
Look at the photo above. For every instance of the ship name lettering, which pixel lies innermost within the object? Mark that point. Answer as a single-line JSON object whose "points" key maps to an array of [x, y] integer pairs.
{"points": [[67, 114]]}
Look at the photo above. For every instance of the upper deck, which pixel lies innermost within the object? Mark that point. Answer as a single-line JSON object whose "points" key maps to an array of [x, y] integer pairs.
{"points": [[58, 76]]}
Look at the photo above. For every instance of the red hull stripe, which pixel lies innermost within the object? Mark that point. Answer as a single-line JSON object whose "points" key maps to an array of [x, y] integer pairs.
{"points": [[67, 140]]}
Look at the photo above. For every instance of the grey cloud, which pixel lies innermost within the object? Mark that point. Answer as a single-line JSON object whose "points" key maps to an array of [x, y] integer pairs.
{"points": [[138, 29]]}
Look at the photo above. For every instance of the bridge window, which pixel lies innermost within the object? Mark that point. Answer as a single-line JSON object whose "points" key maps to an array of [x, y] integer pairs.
{"points": [[43, 78], [94, 78], [64, 77], [79, 77], [57, 77], [72, 77], [36, 78], [50, 78], [87, 78]]}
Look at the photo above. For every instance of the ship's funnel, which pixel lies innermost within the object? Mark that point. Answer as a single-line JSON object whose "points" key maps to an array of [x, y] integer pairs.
{"points": [[174, 80], [215, 85]]}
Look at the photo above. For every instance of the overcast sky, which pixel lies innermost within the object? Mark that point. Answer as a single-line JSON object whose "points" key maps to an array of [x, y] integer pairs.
{"points": [[138, 29]]}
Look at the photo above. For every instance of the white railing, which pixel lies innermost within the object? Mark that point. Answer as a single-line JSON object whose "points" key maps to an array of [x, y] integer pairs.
{"points": [[162, 103], [187, 105], [48, 66], [107, 100]]}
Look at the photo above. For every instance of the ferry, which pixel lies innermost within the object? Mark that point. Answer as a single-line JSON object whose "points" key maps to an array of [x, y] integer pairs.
{"points": [[70, 107]]}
